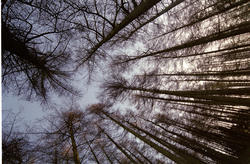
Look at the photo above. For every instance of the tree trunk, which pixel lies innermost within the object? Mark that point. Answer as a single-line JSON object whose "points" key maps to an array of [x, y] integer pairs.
{"points": [[121, 149], [74, 146], [92, 151], [107, 156]]}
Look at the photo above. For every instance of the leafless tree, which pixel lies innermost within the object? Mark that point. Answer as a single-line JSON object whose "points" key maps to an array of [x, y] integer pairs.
{"points": [[16, 145], [35, 50]]}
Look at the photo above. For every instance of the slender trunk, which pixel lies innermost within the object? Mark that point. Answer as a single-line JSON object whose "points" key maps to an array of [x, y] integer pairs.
{"points": [[55, 157], [217, 109], [138, 159], [205, 74], [117, 160], [194, 145], [3, 3], [120, 148], [229, 82], [227, 117], [141, 154], [92, 151], [220, 52], [211, 136], [168, 8], [74, 146], [182, 101], [107, 156]]}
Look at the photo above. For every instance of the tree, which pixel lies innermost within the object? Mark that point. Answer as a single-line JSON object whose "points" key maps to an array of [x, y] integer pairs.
{"points": [[229, 32], [99, 109], [16, 146], [35, 50], [65, 131], [120, 87], [198, 67], [185, 81], [138, 10]]}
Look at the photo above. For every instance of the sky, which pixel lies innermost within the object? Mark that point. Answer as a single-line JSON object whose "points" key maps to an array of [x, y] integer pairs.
{"points": [[33, 110]]}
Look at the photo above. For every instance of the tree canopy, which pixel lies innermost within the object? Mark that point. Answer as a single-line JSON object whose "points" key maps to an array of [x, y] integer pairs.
{"points": [[175, 79]]}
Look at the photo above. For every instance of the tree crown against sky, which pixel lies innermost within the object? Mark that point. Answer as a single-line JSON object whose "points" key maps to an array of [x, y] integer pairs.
{"points": [[49, 35], [181, 68]]}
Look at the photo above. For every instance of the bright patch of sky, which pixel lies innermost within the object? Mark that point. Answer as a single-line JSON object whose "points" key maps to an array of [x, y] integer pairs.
{"points": [[33, 110]]}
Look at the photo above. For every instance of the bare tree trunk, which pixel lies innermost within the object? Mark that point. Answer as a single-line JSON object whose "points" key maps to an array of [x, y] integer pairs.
{"points": [[74, 146], [121, 149], [92, 151], [107, 156]]}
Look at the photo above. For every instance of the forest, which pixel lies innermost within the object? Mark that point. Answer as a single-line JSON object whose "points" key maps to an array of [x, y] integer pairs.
{"points": [[173, 81]]}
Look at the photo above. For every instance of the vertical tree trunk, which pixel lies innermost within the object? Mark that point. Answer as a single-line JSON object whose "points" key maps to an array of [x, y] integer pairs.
{"points": [[241, 28], [74, 146], [121, 149], [55, 156], [92, 151], [195, 145], [138, 159], [141, 154], [107, 156]]}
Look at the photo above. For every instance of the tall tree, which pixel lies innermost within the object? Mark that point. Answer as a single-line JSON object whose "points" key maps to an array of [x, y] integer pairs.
{"points": [[35, 50], [65, 130], [16, 145]]}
